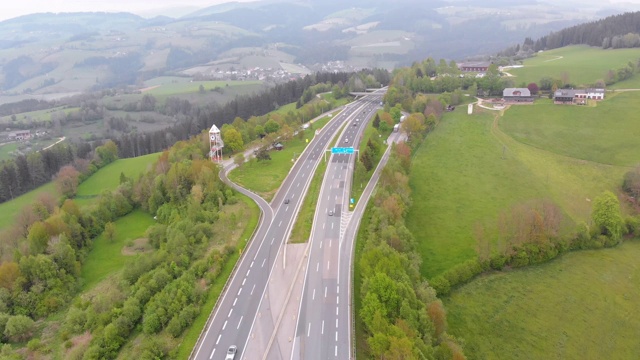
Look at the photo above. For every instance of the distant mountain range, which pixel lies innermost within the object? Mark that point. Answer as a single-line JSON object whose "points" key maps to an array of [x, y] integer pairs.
{"points": [[60, 53]]}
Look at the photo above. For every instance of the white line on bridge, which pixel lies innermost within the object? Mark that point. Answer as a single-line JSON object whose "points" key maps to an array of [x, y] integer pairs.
{"points": [[309, 330], [235, 301], [213, 352], [240, 322], [217, 341], [230, 311], [263, 261], [322, 327], [224, 325], [254, 286], [314, 294]]}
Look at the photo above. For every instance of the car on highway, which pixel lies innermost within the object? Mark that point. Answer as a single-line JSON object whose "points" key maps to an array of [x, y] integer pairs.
{"points": [[330, 212], [346, 141], [231, 353], [286, 201]]}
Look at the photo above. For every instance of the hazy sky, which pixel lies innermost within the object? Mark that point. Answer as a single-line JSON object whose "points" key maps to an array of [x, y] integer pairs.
{"points": [[13, 8]]}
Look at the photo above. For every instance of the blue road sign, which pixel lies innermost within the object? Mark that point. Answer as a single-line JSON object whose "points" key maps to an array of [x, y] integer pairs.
{"points": [[342, 150]]}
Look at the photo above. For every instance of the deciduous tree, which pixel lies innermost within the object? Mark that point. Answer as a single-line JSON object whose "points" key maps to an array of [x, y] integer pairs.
{"points": [[67, 180], [606, 215]]}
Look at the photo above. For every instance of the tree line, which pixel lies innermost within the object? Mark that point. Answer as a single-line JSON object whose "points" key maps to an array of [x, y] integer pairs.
{"points": [[616, 31], [24, 173], [400, 313]]}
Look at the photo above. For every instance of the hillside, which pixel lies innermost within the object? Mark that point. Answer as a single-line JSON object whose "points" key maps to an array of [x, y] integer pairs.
{"points": [[55, 55], [576, 66]]}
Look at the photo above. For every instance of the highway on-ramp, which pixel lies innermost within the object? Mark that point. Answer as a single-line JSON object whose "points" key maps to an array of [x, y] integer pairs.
{"points": [[236, 310]]}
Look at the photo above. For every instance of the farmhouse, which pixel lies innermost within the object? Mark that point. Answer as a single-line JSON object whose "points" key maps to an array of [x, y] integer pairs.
{"points": [[475, 66], [517, 95], [577, 96], [20, 135]]}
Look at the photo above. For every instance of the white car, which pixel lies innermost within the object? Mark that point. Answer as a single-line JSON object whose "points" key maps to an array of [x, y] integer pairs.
{"points": [[231, 353]]}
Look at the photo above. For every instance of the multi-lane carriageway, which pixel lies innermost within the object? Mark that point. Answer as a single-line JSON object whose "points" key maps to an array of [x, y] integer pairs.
{"points": [[236, 310], [324, 329]]}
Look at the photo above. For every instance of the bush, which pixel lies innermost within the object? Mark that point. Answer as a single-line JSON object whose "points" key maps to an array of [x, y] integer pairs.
{"points": [[498, 261], [632, 225], [520, 258], [18, 328], [441, 286]]}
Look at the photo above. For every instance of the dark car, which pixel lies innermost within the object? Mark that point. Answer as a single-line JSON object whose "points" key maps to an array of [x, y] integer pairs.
{"points": [[286, 201]]}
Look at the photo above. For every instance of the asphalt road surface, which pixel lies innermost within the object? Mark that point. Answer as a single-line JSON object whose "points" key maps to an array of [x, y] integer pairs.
{"points": [[236, 310], [323, 329]]}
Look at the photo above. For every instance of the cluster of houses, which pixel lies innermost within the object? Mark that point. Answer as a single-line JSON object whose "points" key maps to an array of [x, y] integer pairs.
{"points": [[560, 96], [20, 135]]}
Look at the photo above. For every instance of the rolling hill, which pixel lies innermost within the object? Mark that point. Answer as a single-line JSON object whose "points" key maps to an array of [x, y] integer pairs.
{"points": [[44, 54]]}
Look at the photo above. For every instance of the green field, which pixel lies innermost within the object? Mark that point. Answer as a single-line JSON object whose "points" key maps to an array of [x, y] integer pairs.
{"points": [[583, 305], [108, 178], [106, 256], [6, 150], [584, 65], [265, 177], [10, 208], [607, 133], [468, 172]]}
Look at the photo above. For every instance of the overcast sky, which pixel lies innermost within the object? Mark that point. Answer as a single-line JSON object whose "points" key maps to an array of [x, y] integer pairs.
{"points": [[175, 8], [14, 8]]}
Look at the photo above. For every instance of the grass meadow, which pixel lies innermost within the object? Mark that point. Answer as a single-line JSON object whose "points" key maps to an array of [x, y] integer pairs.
{"points": [[10, 209], [106, 256], [582, 305], [265, 177], [108, 178], [473, 168], [583, 64], [607, 133], [6, 150]]}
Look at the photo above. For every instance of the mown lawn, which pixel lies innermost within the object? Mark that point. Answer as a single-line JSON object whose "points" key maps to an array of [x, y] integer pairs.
{"points": [[265, 177], [583, 305], [469, 171], [108, 178], [459, 177], [583, 65], [607, 133], [106, 256]]}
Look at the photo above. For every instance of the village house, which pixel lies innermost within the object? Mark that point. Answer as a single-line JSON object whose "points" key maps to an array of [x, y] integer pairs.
{"points": [[517, 95], [577, 96], [20, 135], [480, 67]]}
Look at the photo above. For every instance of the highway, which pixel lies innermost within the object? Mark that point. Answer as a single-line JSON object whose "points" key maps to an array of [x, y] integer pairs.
{"points": [[236, 310], [323, 327]]}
